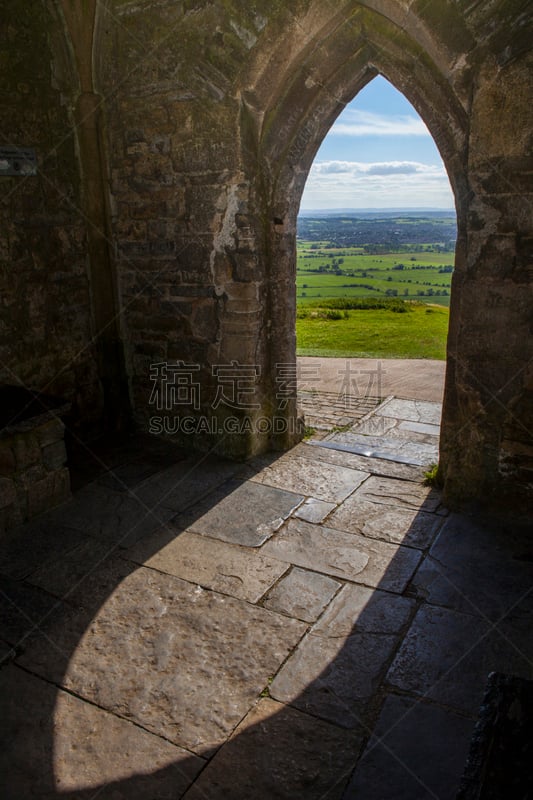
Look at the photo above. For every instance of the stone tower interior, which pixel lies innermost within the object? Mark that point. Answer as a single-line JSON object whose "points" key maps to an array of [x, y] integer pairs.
{"points": [[173, 139]]}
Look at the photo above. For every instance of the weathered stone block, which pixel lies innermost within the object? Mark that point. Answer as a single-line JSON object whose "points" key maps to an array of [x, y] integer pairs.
{"points": [[8, 492], [302, 594], [344, 555], [30, 475], [54, 455], [49, 432], [7, 459], [214, 564], [209, 655], [278, 752], [27, 451]]}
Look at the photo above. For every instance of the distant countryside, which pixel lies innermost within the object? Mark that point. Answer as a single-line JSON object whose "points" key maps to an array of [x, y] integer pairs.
{"points": [[374, 284]]}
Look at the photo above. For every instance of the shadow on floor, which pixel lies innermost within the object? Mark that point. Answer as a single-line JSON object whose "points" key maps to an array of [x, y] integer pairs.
{"points": [[142, 682]]}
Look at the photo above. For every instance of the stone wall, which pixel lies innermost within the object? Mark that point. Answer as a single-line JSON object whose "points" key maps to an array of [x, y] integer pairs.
{"points": [[189, 252], [45, 325], [33, 473]]}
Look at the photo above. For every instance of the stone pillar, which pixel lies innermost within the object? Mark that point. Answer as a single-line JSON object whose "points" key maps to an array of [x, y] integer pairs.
{"points": [[487, 436], [80, 17]]}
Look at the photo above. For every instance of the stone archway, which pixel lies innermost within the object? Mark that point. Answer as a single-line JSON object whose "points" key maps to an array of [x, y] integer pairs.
{"points": [[339, 58], [210, 141]]}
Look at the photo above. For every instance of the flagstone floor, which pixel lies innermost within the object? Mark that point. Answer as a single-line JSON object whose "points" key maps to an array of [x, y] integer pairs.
{"points": [[311, 625]]}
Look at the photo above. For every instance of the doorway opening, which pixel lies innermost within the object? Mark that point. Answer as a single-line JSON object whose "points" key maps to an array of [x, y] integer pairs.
{"points": [[375, 253]]}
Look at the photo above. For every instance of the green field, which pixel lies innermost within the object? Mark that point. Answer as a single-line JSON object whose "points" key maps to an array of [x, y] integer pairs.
{"points": [[347, 272], [374, 333], [397, 267]]}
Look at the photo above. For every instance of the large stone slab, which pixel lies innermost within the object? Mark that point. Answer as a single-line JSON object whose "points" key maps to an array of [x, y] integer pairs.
{"points": [[412, 410], [44, 539], [417, 752], [121, 460], [344, 555], [313, 510], [115, 517], [358, 608], [423, 428], [387, 448], [316, 479], [59, 745], [302, 594], [126, 477], [144, 458], [65, 576], [185, 483], [390, 427], [336, 669], [447, 656], [377, 521], [244, 513], [23, 608], [477, 567], [402, 494], [316, 450], [228, 568], [180, 661], [335, 678], [278, 752]]}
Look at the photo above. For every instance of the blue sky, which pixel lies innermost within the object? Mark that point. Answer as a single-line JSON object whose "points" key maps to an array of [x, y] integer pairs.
{"points": [[378, 154]]}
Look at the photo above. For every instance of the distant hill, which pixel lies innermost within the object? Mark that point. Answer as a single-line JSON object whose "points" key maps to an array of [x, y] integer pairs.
{"points": [[380, 231], [375, 212]]}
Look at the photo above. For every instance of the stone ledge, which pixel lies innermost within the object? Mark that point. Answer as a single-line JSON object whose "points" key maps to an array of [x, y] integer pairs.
{"points": [[32, 455]]}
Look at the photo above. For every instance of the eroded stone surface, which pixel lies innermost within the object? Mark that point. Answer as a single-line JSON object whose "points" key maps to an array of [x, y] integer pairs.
{"points": [[386, 448], [412, 410], [358, 608], [183, 662], [403, 494], [446, 656], [344, 555], [302, 594], [417, 751], [185, 483], [460, 572], [378, 521], [60, 744], [313, 510], [44, 539], [320, 480], [278, 752], [242, 513], [379, 425], [67, 574], [375, 466], [335, 678], [424, 428], [115, 517], [338, 666], [209, 562], [22, 609]]}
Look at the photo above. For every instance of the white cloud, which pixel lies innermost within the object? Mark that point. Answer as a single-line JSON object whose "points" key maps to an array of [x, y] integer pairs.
{"points": [[365, 123], [395, 168], [355, 184], [362, 168]]}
